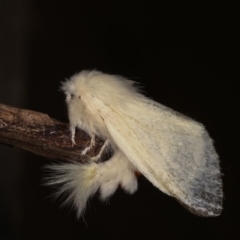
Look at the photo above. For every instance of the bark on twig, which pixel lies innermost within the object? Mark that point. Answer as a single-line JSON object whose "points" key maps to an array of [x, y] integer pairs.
{"points": [[38, 133]]}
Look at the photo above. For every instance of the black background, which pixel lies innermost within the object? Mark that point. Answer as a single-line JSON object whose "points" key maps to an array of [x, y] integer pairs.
{"points": [[177, 51]]}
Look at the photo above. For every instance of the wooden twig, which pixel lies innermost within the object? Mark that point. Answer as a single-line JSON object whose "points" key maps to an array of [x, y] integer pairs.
{"points": [[38, 133]]}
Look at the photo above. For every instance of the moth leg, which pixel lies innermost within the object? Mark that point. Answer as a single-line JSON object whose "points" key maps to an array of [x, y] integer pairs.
{"points": [[73, 131], [97, 157], [92, 144]]}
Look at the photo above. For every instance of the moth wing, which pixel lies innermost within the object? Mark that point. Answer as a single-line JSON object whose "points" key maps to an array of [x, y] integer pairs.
{"points": [[174, 152]]}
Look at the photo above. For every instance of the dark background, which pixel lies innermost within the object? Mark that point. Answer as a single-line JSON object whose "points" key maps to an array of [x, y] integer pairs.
{"points": [[177, 50]]}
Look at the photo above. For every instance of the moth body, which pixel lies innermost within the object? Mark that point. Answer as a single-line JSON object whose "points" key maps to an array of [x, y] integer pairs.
{"points": [[172, 151]]}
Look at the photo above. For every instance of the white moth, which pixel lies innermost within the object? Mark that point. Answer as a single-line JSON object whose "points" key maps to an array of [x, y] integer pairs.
{"points": [[172, 151]]}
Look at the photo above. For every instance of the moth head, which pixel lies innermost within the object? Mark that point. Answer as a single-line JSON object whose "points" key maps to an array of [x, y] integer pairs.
{"points": [[71, 90], [70, 97]]}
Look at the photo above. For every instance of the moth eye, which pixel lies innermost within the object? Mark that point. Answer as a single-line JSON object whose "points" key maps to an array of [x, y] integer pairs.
{"points": [[72, 96], [79, 97]]}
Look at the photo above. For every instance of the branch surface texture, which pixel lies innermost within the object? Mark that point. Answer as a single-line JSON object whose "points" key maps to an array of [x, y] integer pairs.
{"points": [[38, 133]]}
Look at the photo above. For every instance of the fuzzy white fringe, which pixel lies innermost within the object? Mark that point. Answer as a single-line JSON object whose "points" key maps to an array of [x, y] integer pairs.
{"points": [[81, 181]]}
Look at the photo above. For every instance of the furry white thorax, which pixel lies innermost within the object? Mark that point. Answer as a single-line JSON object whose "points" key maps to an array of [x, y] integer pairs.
{"points": [[80, 90]]}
